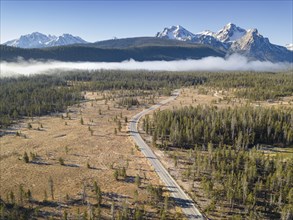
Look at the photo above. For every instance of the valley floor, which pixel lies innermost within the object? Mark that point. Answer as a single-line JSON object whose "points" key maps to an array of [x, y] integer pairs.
{"points": [[75, 150]]}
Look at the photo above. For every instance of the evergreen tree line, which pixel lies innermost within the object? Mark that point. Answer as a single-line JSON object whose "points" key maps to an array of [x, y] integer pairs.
{"points": [[128, 101], [129, 80], [41, 94], [250, 85], [241, 127], [34, 96], [254, 85]]}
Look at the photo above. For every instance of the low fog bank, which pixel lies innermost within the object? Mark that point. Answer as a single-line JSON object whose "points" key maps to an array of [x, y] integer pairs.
{"points": [[232, 63]]}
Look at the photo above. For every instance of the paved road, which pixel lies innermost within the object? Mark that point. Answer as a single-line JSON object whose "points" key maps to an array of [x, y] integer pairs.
{"points": [[181, 198]]}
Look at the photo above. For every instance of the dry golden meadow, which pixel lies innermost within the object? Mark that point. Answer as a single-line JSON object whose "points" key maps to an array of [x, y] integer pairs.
{"points": [[91, 152], [85, 139]]}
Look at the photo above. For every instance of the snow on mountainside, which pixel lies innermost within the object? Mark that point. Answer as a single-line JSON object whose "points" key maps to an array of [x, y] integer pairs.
{"points": [[230, 33], [34, 40], [207, 33], [249, 40], [180, 33], [255, 46], [66, 39], [39, 40], [289, 47], [234, 39], [230, 39], [210, 40], [176, 33]]}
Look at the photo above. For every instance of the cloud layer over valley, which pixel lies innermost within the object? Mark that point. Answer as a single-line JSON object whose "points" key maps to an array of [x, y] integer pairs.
{"points": [[232, 63]]}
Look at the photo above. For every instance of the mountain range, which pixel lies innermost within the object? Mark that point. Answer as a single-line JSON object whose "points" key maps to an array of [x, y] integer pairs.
{"points": [[171, 43], [140, 49], [39, 40], [233, 39]]}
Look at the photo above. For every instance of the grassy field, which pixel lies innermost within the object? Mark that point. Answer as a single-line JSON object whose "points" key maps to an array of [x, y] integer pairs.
{"points": [[85, 145], [77, 149]]}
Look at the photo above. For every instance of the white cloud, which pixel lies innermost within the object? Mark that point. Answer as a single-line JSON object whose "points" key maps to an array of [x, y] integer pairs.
{"points": [[234, 62]]}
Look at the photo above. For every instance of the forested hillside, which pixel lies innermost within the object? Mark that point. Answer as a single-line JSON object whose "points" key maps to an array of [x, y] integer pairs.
{"points": [[104, 52]]}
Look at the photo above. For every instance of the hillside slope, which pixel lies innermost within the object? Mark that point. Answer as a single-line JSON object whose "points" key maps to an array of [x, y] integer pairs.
{"points": [[139, 49]]}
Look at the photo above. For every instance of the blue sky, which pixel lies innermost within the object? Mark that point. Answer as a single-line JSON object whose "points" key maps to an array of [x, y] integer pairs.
{"points": [[100, 20]]}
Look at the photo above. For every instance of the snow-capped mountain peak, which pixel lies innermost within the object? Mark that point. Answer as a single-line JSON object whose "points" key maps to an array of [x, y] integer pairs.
{"points": [[289, 47], [176, 33], [67, 39], [207, 32], [245, 42], [230, 33], [39, 40], [180, 33], [233, 39], [255, 46], [253, 31]]}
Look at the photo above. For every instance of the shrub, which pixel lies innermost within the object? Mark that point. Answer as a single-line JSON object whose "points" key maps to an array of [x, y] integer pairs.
{"points": [[61, 161], [26, 158]]}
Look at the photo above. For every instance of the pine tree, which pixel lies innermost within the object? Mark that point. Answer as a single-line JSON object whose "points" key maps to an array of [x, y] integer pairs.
{"points": [[116, 174], [119, 125], [25, 157], [51, 187], [98, 193], [123, 173], [137, 180]]}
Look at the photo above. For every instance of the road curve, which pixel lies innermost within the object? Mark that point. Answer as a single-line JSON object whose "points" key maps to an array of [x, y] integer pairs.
{"points": [[181, 198]]}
